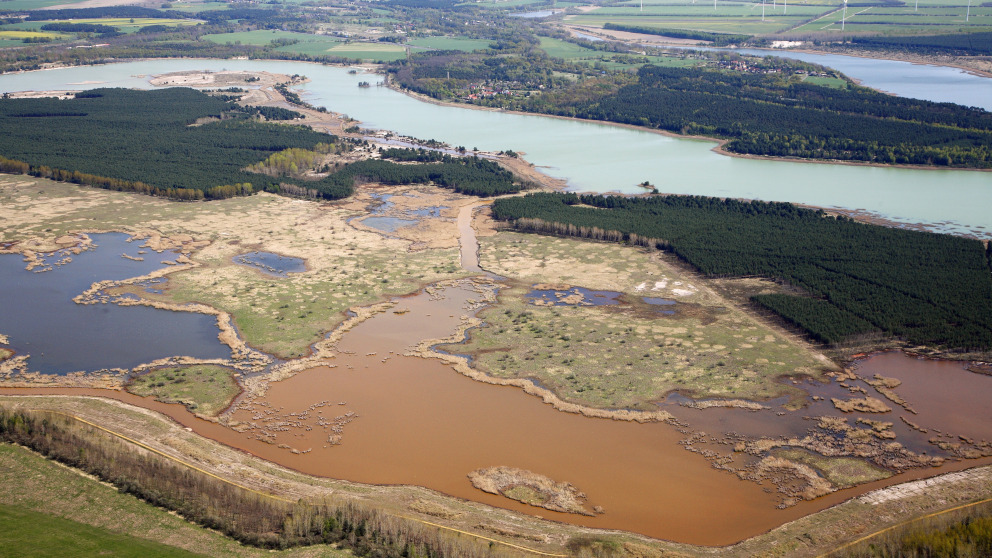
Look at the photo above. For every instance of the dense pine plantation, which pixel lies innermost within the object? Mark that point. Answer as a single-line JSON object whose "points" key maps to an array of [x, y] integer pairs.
{"points": [[763, 114], [925, 288], [145, 137], [151, 142]]}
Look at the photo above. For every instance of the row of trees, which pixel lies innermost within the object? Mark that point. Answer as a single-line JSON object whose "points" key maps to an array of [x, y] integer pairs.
{"points": [[466, 175], [975, 44], [925, 288], [244, 515]]}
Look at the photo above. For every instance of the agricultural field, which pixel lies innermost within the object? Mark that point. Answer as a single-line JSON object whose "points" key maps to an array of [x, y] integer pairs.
{"points": [[12, 37], [197, 7], [572, 52], [127, 25], [743, 18], [633, 353], [781, 17], [384, 52], [23, 5]]}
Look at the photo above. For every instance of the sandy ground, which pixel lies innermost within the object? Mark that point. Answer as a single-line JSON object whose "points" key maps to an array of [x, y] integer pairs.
{"points": [[627, 36]]}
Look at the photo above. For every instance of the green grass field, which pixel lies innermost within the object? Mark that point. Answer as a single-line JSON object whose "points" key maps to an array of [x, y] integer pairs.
{"points": [[574, 53], [386, 52], [934, 16], [197, 7], [257, 38], [463, 44], [315, 45], [25, 5], [750, 25], [206, 390], [25, 533], [836, 83], [39, 498]]}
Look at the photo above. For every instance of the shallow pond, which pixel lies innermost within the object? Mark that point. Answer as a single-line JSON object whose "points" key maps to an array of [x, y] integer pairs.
{"points": [[272, 264], [41, 320], [573, 296], [387, 224]]}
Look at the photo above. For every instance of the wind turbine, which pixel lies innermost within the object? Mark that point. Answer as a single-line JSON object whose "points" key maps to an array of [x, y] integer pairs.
{"points": [[967, 13], [844, 17], [762, 10]]}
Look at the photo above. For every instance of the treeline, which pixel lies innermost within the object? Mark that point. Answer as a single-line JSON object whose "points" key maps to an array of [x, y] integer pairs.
{"points": [[718, 39], [79, 28], [419, 155], [763, 114], [978, 44], [246, 516], [274, 113], [472, 176], [144, 141], [925, 288], [960, 534]]}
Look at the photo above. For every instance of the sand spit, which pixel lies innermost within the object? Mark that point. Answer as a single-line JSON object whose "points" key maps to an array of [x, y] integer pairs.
{"points": [[726, 403]]}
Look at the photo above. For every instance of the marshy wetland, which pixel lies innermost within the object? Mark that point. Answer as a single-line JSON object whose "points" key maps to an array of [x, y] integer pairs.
{"points": [[399, 338], [556, 362]]}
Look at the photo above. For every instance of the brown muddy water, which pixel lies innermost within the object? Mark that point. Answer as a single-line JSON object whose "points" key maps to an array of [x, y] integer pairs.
{"points": [[374, 415]]}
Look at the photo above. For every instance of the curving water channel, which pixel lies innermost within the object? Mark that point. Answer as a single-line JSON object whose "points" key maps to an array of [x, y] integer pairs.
{"points": [[600, 157]]}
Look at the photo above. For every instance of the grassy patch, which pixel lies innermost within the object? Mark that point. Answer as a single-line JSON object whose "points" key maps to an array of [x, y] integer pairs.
{"points": [[207, 390], [842, 472], [629, 355], [315, 45], [33, 483], [835, 83], [27, 533], [25, 5], [386, 52]]}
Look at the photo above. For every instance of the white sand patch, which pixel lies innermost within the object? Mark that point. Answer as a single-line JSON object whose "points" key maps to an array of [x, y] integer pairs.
{"points": [[682, 292], [641, 287], [659, 285]]}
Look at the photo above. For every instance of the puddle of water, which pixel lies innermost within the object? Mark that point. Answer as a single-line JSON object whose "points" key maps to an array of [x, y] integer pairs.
{"points": [[272, 264], [434, 211], [61, 336], [668, 306], [574, 296], [387, 224]]}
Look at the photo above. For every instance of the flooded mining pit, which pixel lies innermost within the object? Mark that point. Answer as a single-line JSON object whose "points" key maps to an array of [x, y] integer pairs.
{"points": [[377, 412]]}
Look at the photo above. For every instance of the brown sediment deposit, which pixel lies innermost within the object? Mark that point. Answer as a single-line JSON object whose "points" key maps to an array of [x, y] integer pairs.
{"points": [[864, 405], [530, 488], [735, 403]]}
